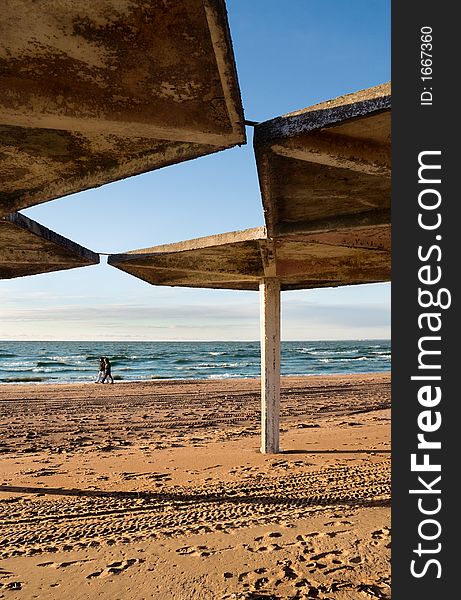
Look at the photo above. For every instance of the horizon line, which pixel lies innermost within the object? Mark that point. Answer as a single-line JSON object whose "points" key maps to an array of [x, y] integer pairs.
{"points": [[371, 339]]}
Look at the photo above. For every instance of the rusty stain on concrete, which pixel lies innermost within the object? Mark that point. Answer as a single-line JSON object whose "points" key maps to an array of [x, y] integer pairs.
{"points": [[28, 248], [93, 92]]}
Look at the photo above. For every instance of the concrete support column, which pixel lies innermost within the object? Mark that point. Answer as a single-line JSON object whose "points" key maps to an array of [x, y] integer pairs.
{"points": [[269, 294]]}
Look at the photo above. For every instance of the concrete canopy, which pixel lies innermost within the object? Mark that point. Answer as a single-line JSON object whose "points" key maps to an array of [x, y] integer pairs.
{"points": [[225, 261], [327, 167], [240, 260], [93, 92], [28, 248], [325, 182]]}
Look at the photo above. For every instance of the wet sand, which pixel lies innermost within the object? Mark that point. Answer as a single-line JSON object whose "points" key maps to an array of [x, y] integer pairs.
{"points": [[158, 490]]}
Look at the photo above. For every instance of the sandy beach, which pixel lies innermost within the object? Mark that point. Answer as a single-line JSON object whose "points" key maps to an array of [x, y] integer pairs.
{"points": [[158, 490]]}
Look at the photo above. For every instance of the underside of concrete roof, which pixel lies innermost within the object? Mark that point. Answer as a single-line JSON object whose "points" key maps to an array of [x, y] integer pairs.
{"points": [[327, 167], [325, 182], [93, 92], [28, 248], [240, 260], [226, 261]]}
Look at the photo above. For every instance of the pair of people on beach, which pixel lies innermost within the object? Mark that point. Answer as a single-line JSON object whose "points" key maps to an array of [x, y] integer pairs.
{"points": [[105, 369]]}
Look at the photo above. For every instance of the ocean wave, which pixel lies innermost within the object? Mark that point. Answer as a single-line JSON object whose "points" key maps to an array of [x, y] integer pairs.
{"points": [[199, 366], [54, 363], [333, 352], [66, 369], [182, 361], [16, 371], [240, 364], [112, 358], [23, 379], [363, 358], [70, 361], [192, 368], [321, 352]]}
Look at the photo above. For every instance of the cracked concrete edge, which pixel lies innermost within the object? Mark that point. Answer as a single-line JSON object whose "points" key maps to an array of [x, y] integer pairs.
{"points": [[210, 241], [326, 114]]}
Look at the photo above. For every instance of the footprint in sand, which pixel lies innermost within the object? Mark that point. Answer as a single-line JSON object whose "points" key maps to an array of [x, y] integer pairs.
{"points": [[288, 572], [261, 582], [93, 575], [64, 565], [115, 568], [303, 538], [324, 554], [337, 523], [373, 590], [201, 551], [355, 560], [268, 548], [272, 534], [381, 534], [332, 534], [13, 585], [334, 569]]}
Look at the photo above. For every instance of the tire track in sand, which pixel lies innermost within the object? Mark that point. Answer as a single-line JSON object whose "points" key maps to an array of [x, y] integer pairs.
{"points": [[59, 522]]}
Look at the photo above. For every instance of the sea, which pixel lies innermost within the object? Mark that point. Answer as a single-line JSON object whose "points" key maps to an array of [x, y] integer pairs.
{"points": [[67, 362]]}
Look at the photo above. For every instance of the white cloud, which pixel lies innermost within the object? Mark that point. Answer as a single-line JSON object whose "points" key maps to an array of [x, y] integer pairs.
{"points": [[221, 320]]}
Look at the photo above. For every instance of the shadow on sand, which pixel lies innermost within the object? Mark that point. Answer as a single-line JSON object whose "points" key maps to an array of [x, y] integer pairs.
{"points": [[199, 497]]}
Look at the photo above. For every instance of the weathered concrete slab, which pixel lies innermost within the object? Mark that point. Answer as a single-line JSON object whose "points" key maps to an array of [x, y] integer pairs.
{"points": [[240, 260], [226, 261], [28, 248], [325, 182], [93, 92], [327, 167]]}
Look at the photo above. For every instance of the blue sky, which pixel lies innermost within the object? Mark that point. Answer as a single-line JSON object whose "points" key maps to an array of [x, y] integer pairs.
{"points": [[289, 55]]}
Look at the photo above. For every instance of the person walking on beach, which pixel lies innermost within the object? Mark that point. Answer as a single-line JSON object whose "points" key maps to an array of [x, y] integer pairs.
{"points": [[107, 371], [101, 370]]}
